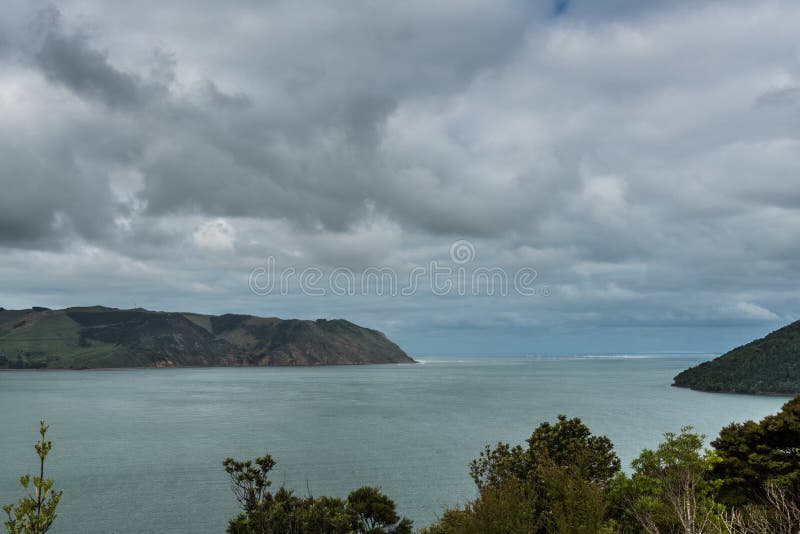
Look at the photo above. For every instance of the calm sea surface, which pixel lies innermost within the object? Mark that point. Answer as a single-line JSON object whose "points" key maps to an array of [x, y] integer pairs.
{"points": [[140, 451]]}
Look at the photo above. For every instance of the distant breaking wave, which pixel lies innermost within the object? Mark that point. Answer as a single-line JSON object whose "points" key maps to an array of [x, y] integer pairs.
{"points": [[566, 357]]}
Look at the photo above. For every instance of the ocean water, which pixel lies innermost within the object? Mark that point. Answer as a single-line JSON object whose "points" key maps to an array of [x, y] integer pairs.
{"points": [[140, 451]]}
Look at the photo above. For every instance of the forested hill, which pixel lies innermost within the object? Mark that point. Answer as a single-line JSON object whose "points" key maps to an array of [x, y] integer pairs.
{"points": [[770, 365], [99, 337]]}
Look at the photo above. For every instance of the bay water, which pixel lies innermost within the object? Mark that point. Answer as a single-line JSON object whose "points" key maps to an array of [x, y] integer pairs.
{"points": [[141, 450]]}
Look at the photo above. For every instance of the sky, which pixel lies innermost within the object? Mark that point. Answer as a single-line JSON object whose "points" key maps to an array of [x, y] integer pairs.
{"points": [[638, 161]]}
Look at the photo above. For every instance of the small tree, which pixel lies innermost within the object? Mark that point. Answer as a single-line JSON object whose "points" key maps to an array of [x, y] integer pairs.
{"points": [[249, 479], [376, 512], [34, 513], [669, 490], [560, 444]]}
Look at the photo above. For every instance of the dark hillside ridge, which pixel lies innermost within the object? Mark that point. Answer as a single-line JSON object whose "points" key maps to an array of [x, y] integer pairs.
{"points": [[100, 337], [766, 366]]}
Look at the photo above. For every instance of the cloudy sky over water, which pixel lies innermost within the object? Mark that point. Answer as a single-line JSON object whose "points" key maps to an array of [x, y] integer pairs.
{"points": [[642, 158]]}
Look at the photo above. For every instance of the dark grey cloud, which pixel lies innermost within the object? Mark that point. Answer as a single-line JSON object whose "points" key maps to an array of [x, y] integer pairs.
{"points": [[48, 195], [611, 9], [788, 97], [69, 61]]}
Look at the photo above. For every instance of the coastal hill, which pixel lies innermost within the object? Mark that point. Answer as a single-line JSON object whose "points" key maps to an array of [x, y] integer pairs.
{"points": [[100, 337], [770, 365]]}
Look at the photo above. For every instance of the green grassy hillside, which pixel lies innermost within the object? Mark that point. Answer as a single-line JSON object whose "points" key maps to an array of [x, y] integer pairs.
{"points": [[770, 365], [96, 337]]}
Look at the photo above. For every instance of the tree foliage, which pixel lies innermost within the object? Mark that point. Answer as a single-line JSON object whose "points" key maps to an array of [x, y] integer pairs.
{"points": [[669, 489], [555, 484], [505, 508], [365, 511], [375, 512], [562, 444], [755, 455], [36, 511]]}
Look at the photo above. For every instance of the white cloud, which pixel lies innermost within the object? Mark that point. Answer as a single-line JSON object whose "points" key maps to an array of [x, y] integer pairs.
{"points": [[748, 310], [215, 236]]}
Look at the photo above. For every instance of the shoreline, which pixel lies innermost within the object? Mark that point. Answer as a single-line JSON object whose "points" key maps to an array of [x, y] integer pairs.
{"points": [[753, 393], [209, 367]]}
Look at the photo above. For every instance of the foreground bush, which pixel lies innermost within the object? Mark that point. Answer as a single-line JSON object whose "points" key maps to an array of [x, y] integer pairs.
{"points": [[365, 511], [779, 514], [670, 489], [568, 481], [558, 483], [754, 456]]}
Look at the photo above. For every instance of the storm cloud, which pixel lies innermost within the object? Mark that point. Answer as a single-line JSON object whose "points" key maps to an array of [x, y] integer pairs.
{"points": [[644, 159]]}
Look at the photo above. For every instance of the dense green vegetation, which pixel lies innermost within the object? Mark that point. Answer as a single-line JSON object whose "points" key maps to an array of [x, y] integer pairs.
{"points": [[770, 365], [563, 480], [97, 337], [756, 455]]}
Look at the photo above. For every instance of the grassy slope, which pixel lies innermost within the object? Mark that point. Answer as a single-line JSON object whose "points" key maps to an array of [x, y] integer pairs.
{"points": [[770, 365], [51, 339]]}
